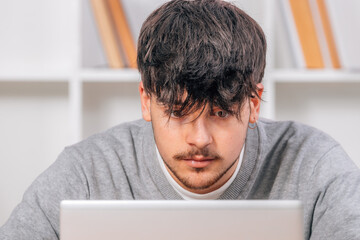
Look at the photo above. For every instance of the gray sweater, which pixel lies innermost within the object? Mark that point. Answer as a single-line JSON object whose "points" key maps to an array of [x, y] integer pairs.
{"points": [[282, 160]]}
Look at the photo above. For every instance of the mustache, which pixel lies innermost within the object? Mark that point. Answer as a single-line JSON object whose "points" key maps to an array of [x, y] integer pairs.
{"points": [[205, 152]]}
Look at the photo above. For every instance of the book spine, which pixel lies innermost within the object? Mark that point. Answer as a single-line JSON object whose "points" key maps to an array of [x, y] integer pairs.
{"points": [[107, 34], [307, 34], [328, 34], [123, 32], [315, 11]]}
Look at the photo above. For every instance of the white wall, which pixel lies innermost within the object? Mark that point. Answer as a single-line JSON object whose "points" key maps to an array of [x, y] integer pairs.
{"points": [[34, 128], [36, 38]]}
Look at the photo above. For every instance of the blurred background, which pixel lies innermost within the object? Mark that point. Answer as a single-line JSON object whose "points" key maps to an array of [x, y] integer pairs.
{"points": [[57, 85]]}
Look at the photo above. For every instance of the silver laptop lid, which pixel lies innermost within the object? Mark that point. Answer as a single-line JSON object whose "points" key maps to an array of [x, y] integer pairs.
{"points": [[175, 220]]}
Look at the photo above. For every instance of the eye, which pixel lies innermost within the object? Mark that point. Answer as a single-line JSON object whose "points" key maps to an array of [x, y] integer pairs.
{"points": [[175, 114], [221, 114]]}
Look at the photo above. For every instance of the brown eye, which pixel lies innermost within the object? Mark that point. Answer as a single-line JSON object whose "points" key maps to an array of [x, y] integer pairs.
{"points": [[221, 114], [175, 114]]}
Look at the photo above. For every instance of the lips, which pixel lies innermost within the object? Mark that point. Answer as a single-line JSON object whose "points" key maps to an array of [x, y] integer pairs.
{"points": [[198, 161]]}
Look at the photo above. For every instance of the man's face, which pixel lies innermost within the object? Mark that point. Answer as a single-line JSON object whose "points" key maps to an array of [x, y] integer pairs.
{"points": [[201, 150]]}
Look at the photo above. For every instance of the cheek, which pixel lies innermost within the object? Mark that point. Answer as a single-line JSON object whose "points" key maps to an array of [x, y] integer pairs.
{"points": [[231, 140], [168, 139]]}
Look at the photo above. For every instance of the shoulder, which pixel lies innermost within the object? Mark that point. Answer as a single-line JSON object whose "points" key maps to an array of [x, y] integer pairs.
{"points": [[127, 134], [306, 147], [294, 134], [295, 144], [109, 147]]}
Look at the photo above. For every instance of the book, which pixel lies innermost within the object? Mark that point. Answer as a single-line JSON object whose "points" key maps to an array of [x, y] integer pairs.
{"points": [[326, 30], [320, 32], [107, 34], [302, 32], [123, 32], [345, 22]]}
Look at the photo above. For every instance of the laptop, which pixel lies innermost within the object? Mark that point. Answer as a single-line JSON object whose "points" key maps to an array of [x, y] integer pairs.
{"points": [[179, 220]]}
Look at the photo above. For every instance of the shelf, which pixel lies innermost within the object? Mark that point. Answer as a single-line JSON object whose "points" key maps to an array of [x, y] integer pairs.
{"points": [[110, 75], [314, 76], [34, 76]]}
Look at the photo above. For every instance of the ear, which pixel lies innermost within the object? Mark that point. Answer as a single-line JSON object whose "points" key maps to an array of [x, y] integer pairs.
{"points": [[255, 104], [145, 103]]}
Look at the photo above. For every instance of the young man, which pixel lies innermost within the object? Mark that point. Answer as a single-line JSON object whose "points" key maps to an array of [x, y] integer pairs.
{"points": [[201, 63]]}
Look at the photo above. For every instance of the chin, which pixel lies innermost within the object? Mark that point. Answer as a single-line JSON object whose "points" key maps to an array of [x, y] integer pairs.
{"points": [[204, 183]]}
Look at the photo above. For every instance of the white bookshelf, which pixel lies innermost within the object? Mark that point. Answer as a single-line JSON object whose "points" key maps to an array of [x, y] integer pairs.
{"points": [[110, 75], [315, 76], [35, 76], [54, 90]]}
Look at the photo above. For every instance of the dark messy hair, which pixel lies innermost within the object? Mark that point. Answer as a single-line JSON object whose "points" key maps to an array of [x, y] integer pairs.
{"points": [[197, 52]]}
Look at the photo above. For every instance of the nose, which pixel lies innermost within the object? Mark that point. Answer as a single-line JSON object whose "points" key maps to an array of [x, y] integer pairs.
{"points": [[199, 133]]}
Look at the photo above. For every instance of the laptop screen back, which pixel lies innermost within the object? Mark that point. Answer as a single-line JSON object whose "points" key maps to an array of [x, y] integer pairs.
{"points": [[179, 220]]}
